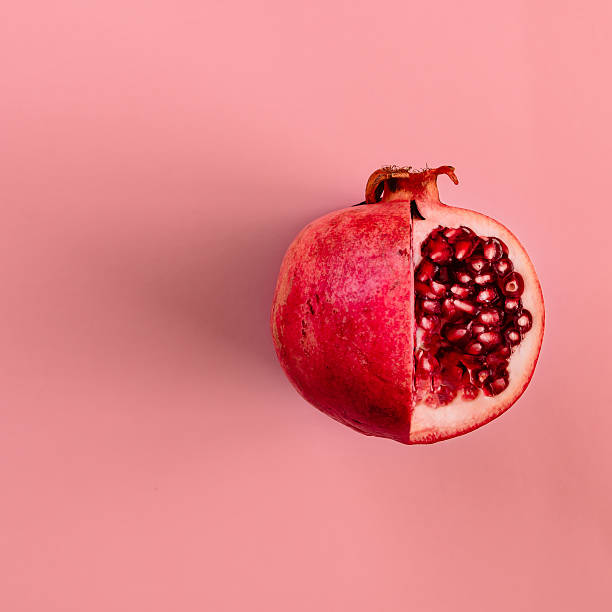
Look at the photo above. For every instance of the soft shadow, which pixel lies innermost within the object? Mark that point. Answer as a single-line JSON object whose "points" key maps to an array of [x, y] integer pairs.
{"points": [[210, 288], [222, 291]]}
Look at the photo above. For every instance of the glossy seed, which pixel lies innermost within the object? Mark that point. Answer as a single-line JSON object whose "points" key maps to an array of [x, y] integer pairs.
{"points": [[490, 316], [484, 278], [431, 306], [429, 322], [487, 296], [425, 271], [512, 336], [463, 277], [503, 266], [489, 339], [456, 333], [437, 250], [465, 306], [477, 264], [512, 285], [452, 234], [492, 249], [524, 321], [464, 248], [461, 291], [513, 305], [474, 348]]}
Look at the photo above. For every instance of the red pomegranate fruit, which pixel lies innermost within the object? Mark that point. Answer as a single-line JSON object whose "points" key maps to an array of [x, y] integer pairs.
{"points": [[406, 318]]}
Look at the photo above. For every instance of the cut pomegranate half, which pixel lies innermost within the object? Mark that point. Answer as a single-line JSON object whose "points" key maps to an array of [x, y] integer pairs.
{"points": [[407, 318]]}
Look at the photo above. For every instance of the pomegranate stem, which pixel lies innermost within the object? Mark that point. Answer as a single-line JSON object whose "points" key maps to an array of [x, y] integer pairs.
{"points": [[400, 182]]}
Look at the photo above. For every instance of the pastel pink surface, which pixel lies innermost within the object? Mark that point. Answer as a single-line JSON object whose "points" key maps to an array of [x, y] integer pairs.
{"points": [[156, 159]]}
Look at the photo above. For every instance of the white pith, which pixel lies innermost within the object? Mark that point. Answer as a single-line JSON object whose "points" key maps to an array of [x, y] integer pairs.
{"points": [[428, 423]]}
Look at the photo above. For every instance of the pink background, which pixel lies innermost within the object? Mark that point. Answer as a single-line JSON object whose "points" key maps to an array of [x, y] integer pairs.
{"points": [[156, 159]]}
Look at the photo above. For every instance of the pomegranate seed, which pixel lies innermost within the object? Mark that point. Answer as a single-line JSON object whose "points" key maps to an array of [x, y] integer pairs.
{"points": [[463, 277], [490, 316], [456, 333], [484, 279], [428, 363], [524, 321], [464, 306], [429, 322], [492, 249], [513, 336], [425, 271], [495, 386], [469, 392], [476, 327], [474, 348], [464, 248], [423, 290], [489, 339], [436, 249], [512, 285], [503, 266], [452, 234], [487, 296], [503, 351], [448, 308], [438, 289], [498, 359], [477, 264], [431, 306], [443, 275], [450, 311], [513, 305], [495, 361], [461, 291]]}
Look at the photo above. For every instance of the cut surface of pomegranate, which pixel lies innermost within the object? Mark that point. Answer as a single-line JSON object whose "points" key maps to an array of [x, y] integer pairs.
{"points": [[407, 318]]}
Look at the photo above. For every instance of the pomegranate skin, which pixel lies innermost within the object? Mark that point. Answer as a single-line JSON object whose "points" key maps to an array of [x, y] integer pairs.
{"points": [[342, 319]]}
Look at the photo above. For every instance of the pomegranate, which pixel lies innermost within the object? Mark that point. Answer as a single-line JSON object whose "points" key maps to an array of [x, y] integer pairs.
{"points": [[406, 318]]}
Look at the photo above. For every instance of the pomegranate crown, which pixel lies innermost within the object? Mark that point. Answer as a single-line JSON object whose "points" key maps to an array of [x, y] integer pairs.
{"points": [[406, 175]]}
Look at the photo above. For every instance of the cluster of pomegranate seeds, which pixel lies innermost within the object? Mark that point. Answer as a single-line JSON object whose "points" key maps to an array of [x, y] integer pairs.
{"points": [[469, 316]]}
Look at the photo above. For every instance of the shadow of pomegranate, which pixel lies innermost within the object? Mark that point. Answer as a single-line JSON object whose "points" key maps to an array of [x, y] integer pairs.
{"points": [[204, 289], [221, 293]]}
